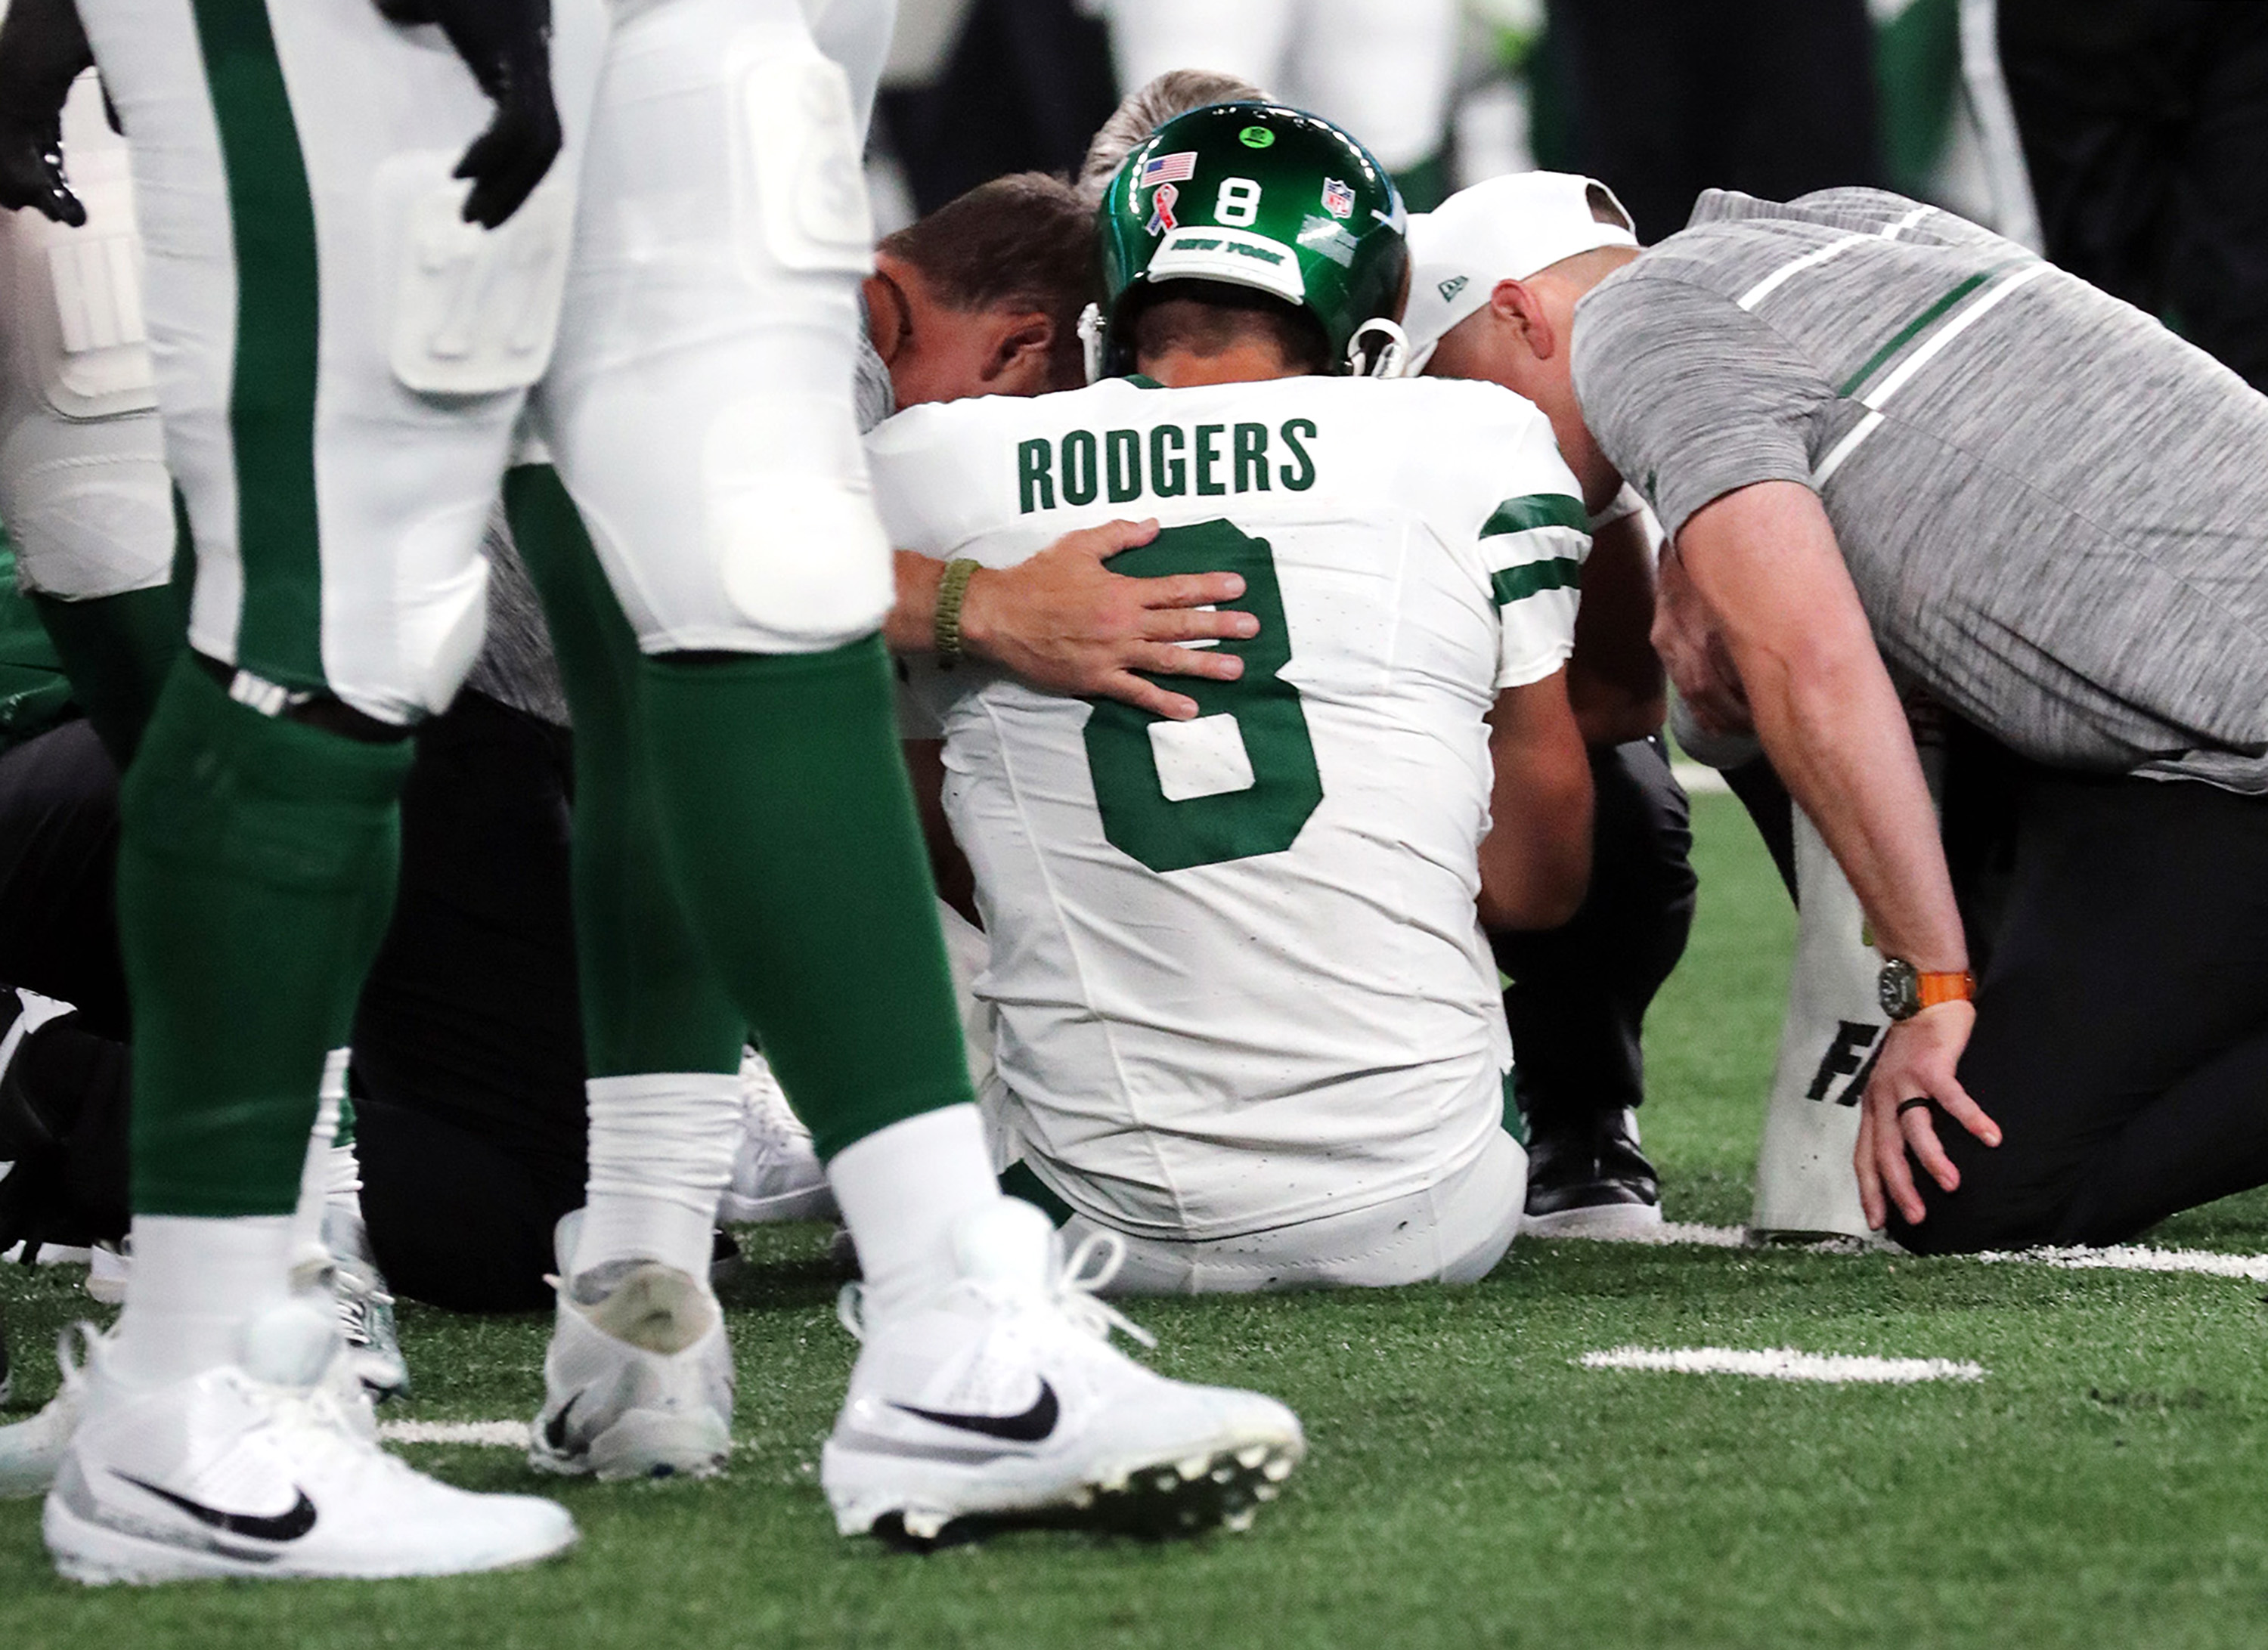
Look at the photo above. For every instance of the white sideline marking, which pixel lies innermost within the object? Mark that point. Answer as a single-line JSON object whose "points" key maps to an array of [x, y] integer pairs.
{"points": [[1714, 1237], [1784, 1364], [490, 1435], [2132, 1258], [2124, 1257], [1698, 778]]}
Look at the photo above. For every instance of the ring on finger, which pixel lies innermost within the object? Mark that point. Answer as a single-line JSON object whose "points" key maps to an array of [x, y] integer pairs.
{"points": [[1921, 1101]]}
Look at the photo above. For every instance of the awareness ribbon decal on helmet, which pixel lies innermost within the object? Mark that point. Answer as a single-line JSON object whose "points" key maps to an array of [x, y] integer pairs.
{"points": [[1161, 208]]}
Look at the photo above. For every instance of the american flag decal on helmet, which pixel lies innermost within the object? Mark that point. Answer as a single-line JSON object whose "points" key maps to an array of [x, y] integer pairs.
{"points": [[1175, 168]]}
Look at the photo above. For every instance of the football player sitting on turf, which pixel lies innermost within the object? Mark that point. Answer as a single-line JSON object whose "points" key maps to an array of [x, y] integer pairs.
{"points": [[1247, 1018]]}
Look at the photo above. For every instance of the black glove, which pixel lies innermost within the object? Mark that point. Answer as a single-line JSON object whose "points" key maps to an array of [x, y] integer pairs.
{"points": [[507, 45], [43, 50]]}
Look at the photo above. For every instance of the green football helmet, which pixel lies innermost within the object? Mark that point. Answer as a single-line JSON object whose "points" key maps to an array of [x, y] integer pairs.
{"points": [[1263, 196]]}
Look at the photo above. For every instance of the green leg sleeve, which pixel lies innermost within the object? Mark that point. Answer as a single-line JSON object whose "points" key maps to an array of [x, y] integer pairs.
{"points": [[791, 828], [255, 872], [651, 1001], [116, 650]]}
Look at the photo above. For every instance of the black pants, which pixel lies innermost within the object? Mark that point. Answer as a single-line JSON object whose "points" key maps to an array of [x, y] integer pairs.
{"points": [[1579, 993], [2145, 127], [58, 866], [1671, 97], [2122, 1018], [468, 1044]]}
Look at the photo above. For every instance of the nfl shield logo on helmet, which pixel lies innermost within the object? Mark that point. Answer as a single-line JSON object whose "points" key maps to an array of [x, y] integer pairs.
{"points": [[1338, 198]]}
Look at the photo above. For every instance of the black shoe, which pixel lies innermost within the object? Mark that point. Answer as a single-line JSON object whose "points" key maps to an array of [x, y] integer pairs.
{"points": [[1588, 1178]]}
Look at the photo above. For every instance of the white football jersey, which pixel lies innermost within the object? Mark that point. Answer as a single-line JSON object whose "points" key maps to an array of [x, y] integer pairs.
{"points": [[1238, 973]]}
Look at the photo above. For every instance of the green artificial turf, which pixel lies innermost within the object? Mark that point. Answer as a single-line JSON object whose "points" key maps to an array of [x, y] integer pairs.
{"points": [[1470, 1484]]}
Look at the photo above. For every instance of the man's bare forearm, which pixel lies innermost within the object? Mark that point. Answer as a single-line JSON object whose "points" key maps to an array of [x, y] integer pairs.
{"points": [[1535, 861], [1766, 561]]}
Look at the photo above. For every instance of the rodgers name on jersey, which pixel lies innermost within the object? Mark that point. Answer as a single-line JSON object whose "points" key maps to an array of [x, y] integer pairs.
{"points": [[1164, 460], [1238, 972]]}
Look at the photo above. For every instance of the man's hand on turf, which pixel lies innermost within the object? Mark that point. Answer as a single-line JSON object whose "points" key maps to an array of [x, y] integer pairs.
{"points": [[43, 50], [1065, 621], [507, 45], [1918, 1059]]}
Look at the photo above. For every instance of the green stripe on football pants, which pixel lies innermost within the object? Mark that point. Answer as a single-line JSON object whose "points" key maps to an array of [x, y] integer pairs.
{"points": [[272, 392]]}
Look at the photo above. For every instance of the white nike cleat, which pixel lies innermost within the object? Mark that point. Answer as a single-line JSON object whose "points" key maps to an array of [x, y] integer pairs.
{"points": [[1003, 1397], [777, 1174], [32, 1452], [638, 1379], [231, 1475]]}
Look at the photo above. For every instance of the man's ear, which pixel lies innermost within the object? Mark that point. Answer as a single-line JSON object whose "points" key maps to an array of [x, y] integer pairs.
{"points": [[1517, 305], [1021, 359]]}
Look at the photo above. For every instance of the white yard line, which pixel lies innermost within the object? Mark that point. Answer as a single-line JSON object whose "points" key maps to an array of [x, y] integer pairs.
{"points": [[488, 1434], [1781, 1363], [2124, 1257], [2132, 1258]]}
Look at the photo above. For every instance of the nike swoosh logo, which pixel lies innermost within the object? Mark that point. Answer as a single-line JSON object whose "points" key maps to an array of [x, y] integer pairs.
{"points": [[554, 1430], [1030, 1427], [287, 1526]]}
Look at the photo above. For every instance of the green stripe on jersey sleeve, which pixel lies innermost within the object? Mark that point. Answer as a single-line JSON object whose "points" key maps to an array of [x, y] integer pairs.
{"points": [[1536, 510], [1533, 578]]}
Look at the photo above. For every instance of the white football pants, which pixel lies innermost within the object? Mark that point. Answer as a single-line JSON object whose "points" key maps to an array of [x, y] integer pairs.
{"points": [[83, 483], [1453, 1232], [1381, 69], [342, 362]]}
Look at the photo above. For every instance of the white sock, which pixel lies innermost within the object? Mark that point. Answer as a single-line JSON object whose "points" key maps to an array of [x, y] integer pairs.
{"points": [[661, 1155], [901, 1190], [194, 1285], [315, 1170]]}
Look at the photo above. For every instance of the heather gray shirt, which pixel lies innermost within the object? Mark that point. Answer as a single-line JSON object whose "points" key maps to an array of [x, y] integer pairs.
{"points": [[2055, 512]]}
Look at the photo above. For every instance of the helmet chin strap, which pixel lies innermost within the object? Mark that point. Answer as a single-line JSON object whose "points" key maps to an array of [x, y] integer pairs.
{"points": [[1090, 340], [1393, 350]]}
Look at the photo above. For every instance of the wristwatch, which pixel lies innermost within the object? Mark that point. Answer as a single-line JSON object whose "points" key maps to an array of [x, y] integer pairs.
{"points": [[1904, 990]]}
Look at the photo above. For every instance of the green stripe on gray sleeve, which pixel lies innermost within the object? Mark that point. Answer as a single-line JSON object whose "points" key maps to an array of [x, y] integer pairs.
{"points": [[1533, 578], [1537, 510]]}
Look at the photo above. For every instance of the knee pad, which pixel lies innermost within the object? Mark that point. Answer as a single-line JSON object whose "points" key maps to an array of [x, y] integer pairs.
{"points": [[95, 522], [788, 517]]}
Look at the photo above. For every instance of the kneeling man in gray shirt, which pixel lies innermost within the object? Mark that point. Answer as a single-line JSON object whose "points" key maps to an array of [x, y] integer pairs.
{"points": [[1897, 454]]}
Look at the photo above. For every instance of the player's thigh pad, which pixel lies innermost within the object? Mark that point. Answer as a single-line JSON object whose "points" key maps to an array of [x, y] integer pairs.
{"points": [[83, 483], [699, 407], [337, 436]]}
